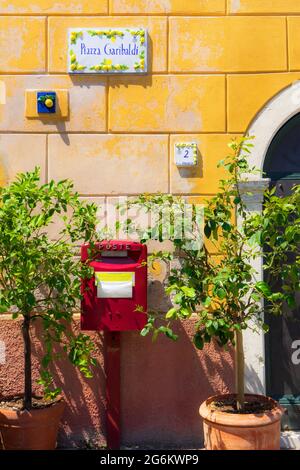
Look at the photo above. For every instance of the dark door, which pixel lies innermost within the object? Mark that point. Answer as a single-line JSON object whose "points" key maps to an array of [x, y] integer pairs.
{"points": [[282, 166]]}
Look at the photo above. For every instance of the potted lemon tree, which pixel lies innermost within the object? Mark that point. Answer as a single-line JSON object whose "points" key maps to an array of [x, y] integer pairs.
{"points": [[40, 286], [222, 292]]}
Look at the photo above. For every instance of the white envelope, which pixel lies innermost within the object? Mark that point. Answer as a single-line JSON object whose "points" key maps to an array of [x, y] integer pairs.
{"points": [[115, 289]]}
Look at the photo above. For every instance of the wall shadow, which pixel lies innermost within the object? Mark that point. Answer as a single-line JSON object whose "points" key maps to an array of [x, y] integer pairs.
{"points": [[163, 385], [83, 423]]}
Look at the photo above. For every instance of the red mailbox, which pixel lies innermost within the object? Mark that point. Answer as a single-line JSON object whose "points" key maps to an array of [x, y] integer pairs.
{"points": [[115, 298]]}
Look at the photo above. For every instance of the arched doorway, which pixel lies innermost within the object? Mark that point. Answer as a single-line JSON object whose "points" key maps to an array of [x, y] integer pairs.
{"points": [[270, 120], [282, 345]]}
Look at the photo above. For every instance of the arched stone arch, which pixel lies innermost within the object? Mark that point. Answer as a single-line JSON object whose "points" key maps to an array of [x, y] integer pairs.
{"points": [[280, 109]]}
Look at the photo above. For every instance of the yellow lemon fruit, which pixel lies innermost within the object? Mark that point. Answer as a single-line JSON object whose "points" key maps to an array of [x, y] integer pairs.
{"points": [[117, 66], [73, 66], [73, 58], [156, 268], [49, 103]]}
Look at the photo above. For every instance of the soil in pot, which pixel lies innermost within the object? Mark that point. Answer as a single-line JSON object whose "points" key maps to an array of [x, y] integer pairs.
{"points": [[34, 429], [229, 405], [255, 428]]}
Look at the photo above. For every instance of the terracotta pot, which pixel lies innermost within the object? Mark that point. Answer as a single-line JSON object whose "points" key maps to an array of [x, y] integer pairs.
{"points": [[229, 431], [30, 430]]}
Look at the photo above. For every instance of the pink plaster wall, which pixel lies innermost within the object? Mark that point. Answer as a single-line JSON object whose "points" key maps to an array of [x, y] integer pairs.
{"points": [[162, 387]]}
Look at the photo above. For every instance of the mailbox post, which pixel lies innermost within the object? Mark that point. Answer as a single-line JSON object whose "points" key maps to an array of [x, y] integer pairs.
{"points": [[114, 300]]}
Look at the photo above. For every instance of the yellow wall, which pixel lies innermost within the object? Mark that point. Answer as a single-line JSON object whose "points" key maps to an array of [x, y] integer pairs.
{"points": [[213, 65]]}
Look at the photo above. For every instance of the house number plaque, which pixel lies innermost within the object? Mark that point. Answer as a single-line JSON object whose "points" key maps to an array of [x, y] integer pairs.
{"points": [[186, 154]]}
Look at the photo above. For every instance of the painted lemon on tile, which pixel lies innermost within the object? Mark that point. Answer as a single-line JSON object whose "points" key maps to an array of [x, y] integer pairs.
{"points": [[49, 103]]}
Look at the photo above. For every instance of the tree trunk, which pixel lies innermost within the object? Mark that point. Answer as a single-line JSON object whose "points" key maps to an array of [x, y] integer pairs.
{"points": [[27, 402], [239, 370]]}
